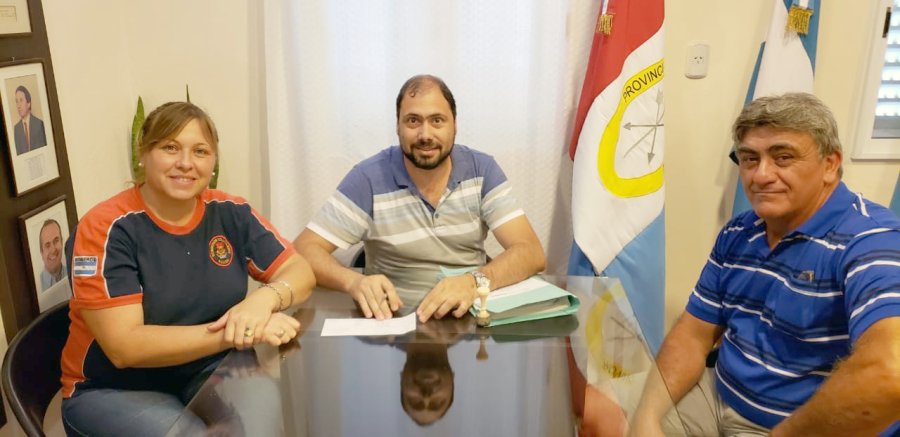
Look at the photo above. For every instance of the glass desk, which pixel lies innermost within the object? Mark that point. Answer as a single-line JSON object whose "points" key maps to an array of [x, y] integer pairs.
{"points": [[549, 377]]}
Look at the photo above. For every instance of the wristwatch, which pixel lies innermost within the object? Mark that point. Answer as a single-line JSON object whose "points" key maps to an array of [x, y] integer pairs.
{"points": [[481, 280]]}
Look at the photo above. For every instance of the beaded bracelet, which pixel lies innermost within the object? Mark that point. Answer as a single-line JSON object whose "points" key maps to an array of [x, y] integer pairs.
{"points": [[280, 300], [290, 293]]}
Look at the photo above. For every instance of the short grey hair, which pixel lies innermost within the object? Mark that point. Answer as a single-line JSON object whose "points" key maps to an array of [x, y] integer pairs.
{"points": [[801, 112]]}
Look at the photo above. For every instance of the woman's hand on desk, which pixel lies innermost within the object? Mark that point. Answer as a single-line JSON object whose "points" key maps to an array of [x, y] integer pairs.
{"points": [[244, 322], [376, 296], [280, 329]]}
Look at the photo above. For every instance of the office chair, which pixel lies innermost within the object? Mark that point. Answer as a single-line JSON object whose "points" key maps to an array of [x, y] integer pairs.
{"points": [[359, 260], [712, 357], [31, 368]]}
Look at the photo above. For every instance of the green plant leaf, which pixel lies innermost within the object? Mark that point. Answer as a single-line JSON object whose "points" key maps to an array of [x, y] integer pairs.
{"points": [[136, 125], [215, 176]]}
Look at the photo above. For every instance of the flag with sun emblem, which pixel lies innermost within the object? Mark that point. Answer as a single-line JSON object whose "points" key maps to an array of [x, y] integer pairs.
{"points": [[617, 149]]}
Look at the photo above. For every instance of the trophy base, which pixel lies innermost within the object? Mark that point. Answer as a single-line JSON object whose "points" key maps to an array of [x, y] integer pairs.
{"points": [[483, 321]]}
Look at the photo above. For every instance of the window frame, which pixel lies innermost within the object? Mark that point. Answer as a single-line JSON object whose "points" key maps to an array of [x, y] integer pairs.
{"points": [[865, 147]]}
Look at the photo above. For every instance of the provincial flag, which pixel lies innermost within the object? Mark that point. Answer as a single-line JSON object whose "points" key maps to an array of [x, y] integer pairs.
{"points": [[617, 149], [785, 63]]}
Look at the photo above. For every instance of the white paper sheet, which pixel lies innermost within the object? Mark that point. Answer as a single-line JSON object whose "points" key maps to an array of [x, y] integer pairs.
{"points": [[360, 326]]}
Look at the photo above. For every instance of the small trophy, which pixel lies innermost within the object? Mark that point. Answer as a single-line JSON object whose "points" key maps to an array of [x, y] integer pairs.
{"points": [[482, 354], [483, 318]]}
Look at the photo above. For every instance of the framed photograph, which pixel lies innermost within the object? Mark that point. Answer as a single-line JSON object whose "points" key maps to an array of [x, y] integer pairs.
{"points": [[29, 131], [46, 230], [14, 17]]}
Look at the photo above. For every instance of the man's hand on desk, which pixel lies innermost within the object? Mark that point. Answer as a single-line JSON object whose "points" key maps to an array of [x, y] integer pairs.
{"points": [[376, 296], [454, 292]]}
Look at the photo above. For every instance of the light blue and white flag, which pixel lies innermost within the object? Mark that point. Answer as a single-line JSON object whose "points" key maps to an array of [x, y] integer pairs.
{"points": [[785, 63]]}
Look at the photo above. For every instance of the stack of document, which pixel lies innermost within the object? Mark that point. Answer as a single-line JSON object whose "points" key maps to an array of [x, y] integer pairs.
{"points": [[531, 299]]}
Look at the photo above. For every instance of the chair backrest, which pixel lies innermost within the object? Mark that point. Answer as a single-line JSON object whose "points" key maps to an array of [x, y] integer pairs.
{"points": [[31, 368], [359, 260]]}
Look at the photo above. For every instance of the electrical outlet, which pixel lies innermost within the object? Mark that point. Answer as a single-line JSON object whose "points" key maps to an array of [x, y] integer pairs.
{"points": [[697, 62]]}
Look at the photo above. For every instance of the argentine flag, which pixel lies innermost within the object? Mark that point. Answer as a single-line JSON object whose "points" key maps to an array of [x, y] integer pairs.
{"points": [[785, 63]]}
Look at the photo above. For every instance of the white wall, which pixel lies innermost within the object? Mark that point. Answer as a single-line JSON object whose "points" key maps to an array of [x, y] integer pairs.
{"points": [[107, 53]]}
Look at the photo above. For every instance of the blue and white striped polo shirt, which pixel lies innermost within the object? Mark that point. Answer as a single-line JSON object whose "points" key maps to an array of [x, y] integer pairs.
{"points": [[790, 313], [406, 238]]}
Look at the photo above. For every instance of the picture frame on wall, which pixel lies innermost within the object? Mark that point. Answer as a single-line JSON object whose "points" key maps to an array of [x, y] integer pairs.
{"points": [[14, 18], [29, 128], [45, 231]]}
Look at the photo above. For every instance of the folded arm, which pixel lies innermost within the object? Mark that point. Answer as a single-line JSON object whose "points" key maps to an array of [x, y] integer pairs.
{"points": [[128, 342], [291, 284], [294, 280]]}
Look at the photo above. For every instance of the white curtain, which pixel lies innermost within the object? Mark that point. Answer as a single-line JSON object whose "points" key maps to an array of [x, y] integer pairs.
{"points": [[333, 70]]}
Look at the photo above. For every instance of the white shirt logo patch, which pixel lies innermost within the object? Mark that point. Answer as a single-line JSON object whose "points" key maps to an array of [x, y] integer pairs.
{"points": [[84, 266]]}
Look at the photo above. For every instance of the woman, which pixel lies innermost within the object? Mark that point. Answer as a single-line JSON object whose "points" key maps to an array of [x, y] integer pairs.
{"points": [[159, 281]]}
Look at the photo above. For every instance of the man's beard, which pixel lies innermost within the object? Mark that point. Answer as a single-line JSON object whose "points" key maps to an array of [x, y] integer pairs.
{"points": [[423, 164]]}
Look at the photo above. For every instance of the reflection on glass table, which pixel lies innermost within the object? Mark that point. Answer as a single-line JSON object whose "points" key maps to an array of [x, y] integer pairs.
{"points": [[581, 373]]}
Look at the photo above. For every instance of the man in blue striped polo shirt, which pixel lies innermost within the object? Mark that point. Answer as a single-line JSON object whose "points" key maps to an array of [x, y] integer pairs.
{"points": [[802, 292], [416, 207]]}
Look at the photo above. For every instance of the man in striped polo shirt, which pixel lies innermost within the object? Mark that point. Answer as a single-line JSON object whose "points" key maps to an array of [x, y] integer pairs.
{"points": [[425, 204], [802, 293]]}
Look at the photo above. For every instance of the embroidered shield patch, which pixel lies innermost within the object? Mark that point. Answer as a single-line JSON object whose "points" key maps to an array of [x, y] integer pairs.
{"points": [[220, 251]]}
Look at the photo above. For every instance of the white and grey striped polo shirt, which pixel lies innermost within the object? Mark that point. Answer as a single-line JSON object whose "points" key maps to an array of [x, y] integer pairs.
{"points": [[406, 238]]}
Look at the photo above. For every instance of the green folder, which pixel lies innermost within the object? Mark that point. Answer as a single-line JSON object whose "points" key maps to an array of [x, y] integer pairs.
{"points": [[531, 299]]}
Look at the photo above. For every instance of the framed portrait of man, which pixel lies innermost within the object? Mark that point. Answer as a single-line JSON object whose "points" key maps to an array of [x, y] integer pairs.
{"points": [[29, 130], [46, 230]]}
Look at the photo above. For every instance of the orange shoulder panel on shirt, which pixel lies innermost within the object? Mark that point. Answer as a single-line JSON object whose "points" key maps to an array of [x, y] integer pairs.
{"points": [[285, 254], [89, 292], [91, 238]]}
